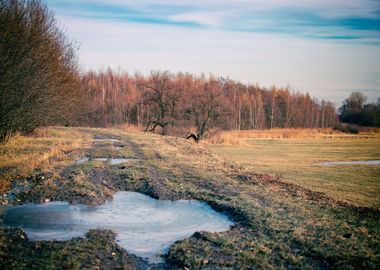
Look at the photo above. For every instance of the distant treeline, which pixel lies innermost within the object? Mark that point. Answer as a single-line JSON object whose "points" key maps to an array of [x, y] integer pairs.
{"points": [[40, 84], [184, 101], [355, 110]]}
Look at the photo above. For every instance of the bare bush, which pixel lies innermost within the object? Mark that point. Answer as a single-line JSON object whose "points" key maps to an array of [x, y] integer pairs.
{"points": [[38, 75]]}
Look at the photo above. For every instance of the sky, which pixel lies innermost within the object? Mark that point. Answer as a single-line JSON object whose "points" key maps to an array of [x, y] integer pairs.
{"points": [[328, 48]]}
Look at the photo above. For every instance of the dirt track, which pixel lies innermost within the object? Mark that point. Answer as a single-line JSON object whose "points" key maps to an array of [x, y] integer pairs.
{"points": [[278, 225]]}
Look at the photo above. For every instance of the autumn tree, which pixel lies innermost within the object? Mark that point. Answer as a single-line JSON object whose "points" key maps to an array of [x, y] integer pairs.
{"points": [[111, 98], [205, 108], [158, 101], [162, 97], [38, 74]]}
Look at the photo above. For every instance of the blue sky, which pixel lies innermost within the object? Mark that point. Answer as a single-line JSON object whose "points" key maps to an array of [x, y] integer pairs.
{"points": [[328, 48]]}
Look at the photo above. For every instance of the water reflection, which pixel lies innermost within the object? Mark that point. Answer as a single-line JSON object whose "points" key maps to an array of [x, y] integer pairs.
{"points": [[144, 226], [106, 140], [112, 161]]}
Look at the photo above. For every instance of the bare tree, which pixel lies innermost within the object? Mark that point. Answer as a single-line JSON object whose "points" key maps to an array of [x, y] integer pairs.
{"points": [[354, 103], [38, 74], [176, 103], [162, 98], [205, 109]]}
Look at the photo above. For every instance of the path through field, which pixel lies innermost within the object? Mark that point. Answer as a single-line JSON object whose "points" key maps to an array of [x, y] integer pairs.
{"points": [[278, 224]]}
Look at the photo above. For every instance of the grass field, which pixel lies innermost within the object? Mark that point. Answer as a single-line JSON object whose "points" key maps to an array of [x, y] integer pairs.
{"points": [[278, 225], [294, 160]]}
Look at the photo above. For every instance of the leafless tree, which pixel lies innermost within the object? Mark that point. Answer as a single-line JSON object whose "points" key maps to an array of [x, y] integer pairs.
{"points": [[38, 74], [178, 103], [205, 109], [162, 98]]}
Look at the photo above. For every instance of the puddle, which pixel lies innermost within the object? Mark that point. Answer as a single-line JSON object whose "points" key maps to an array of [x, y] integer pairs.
{"points": [[101, 159], [81, 161], [145, 226], [112, 161], [338, 163], [119, 147], [107, 140], [115, 161]]}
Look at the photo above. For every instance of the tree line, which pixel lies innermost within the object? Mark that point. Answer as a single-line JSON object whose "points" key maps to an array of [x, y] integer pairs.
{"points": [[40, 84], [182, 103], [355, 110]]}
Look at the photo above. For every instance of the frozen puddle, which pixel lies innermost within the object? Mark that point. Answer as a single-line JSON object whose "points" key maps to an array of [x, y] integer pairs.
{"points": [[107, 140], [81, 161], [115, 161], [112, 161], [145, 226], [362, 162]]}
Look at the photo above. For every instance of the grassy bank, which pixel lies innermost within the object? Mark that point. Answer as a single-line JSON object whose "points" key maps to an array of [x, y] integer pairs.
{"points": [[23, 156], [278, 224]]}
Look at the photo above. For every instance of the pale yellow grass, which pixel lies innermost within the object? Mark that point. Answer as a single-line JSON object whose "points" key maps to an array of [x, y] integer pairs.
{"points": [[127, 127], [240, 137], [22, 155], [294, 160]]}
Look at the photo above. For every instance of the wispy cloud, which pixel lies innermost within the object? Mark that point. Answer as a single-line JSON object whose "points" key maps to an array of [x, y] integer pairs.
{"points": [[356, 19], [212, 19], [316, 46]]}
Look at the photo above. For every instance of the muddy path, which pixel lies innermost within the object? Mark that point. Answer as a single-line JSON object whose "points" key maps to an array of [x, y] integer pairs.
{"points": [[90, 183], [154, 182], [268, 212], [278, 225]]}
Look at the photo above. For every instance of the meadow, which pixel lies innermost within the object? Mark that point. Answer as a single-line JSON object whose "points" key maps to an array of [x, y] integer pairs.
{"points": [[293, 155], [278, 224]]}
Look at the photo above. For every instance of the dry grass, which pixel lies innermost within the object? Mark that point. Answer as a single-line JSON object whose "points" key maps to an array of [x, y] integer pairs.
{"points": [[278, 225], [285, 228], [128, 127], [22, 155], [294, 160], [242, 137]]}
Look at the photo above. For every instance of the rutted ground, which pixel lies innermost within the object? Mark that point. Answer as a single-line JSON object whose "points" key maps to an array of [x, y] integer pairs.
{"points": [[278, 224]]}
